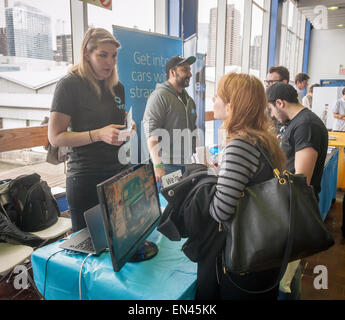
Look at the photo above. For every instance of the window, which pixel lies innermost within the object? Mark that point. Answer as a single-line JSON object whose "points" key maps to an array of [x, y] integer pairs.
{"points": [[35, 52], [292, 39], [256, 40], [207, 44], [129, 13], [37, 29], [234, 35], [260, 3]]}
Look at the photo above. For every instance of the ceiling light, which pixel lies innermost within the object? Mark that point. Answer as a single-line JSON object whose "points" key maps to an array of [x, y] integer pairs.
{"points": [[333, 8]]}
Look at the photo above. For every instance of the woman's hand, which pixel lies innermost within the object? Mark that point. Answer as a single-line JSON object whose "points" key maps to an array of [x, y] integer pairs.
{"points": [[134, 127], [110, 134], [159, 173]]}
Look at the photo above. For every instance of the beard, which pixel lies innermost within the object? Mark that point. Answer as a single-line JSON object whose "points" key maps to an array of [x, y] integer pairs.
{"points": [[183, 82]]}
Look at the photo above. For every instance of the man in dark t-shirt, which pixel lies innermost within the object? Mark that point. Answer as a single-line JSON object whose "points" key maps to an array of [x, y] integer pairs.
{"points": [[305, 142]]}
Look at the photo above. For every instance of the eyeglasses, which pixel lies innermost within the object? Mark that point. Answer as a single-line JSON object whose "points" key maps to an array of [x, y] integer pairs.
{"points": [[270, 82]]}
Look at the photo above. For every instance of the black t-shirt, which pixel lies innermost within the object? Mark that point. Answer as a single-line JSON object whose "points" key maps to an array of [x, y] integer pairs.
{"points": [[306, 130], [75, 97]]}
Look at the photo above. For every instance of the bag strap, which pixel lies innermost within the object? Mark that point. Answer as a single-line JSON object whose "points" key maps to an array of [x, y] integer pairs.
{"points": [[288, 248], [265, 155]]}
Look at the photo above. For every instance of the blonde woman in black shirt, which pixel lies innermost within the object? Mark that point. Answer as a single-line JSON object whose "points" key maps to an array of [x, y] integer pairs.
{"points": [[87, 115]]}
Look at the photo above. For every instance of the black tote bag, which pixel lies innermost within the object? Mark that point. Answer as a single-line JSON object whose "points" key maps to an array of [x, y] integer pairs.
{"points": [[276, 222]]}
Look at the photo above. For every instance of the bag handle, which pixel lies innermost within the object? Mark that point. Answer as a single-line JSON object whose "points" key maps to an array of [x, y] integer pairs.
{"points": [[288, 248]]}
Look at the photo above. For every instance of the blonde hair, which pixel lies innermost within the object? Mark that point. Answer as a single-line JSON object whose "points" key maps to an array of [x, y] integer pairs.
{"points": [[92, 38], [246, 97]]}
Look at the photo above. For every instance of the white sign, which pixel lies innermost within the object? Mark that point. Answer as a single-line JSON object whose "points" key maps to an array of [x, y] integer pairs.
{"points": [[106, 4]]}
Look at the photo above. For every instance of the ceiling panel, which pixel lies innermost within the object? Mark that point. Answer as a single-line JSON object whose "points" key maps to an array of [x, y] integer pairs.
{"points": [[334, 17]]}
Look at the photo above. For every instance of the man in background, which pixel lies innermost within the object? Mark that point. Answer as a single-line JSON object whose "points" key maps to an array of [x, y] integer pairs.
{"points": [[307, 100], [305, 142], [301, 82], [339, 113], [277, 74]]}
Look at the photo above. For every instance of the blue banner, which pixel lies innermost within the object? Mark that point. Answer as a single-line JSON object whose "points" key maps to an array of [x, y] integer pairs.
{"points": [[141, 65]]}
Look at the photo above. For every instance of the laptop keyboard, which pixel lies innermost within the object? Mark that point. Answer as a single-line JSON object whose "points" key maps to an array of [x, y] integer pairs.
{"points": [[80, 241], [85, 245]]}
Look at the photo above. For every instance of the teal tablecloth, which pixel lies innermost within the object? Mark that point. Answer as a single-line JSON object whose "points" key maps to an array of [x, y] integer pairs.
{"points": [[169, 275], [329, 182]]}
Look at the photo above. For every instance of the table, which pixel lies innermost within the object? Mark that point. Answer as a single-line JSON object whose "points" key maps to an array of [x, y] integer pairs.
{"points": [[340, 143], [168, 276], [328, 182]]}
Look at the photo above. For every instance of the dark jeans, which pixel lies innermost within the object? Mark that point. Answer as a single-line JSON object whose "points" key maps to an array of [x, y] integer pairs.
{"points": [[81, 195]]}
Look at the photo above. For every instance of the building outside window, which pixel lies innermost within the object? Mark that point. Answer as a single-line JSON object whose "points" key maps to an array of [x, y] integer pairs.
{"points": [[207, 43], [234, 35], [256, 35], [35, 52]]}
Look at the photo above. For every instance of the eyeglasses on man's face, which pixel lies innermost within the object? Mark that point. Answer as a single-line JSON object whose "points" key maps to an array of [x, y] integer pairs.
{"points": [[270, 82]]}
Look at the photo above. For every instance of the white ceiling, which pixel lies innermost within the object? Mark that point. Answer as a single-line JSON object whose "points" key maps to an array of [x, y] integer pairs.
{"points": [[334, 18]]}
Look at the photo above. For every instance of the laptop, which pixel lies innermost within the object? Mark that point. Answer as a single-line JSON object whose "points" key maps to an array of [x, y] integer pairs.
{"points": [[91, 239]]}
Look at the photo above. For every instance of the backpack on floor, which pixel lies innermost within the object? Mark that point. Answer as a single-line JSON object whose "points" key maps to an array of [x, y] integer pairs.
{"points": [[28, 203]]}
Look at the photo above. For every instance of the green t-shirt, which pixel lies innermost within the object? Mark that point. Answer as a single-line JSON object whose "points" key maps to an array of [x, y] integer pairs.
{"points": [[75, 97]]}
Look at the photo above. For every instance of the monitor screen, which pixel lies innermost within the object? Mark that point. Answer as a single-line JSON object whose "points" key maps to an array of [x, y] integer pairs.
{"points": [[131, 211]]}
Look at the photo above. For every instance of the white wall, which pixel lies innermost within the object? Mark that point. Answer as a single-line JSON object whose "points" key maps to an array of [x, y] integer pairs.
{"points": [[327, 52]]}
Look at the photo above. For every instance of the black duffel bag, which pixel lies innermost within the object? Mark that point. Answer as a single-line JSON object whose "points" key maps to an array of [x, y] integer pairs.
{"points": [[28, 203]]}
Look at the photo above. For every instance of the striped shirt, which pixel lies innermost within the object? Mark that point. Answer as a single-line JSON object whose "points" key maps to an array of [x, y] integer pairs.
{"points": [[240, 162]]}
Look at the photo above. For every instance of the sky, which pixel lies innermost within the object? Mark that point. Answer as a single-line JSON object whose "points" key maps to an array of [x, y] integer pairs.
{"points": [[122, 13]]}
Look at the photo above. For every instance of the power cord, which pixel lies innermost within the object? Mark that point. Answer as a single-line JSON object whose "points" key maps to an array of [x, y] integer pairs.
{"points": [[45, 272], [81, 268]]}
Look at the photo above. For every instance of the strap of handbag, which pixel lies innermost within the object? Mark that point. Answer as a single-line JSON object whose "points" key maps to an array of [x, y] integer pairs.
{"points": [[288, 248]]}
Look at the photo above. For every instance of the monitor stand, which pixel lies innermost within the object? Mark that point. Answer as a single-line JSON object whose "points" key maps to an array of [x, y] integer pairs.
{"points": [[147, 251]]}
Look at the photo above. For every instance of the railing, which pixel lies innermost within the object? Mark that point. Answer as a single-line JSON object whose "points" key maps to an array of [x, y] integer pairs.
{"points": [[29, 137], [21, 138]]}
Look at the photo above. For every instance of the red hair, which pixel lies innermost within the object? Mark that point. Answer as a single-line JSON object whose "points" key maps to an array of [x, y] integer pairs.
{"points": [[246, 98]]}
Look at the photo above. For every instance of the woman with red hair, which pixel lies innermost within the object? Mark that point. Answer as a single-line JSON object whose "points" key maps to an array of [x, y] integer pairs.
{"points": [[241, 104]]}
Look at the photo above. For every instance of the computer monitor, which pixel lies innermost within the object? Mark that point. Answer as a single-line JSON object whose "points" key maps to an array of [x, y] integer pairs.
{"points": [[131, 211]]}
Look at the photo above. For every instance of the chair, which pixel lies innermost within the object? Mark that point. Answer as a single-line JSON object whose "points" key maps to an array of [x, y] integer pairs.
{"points": [[11, 255], [62, 226]]}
